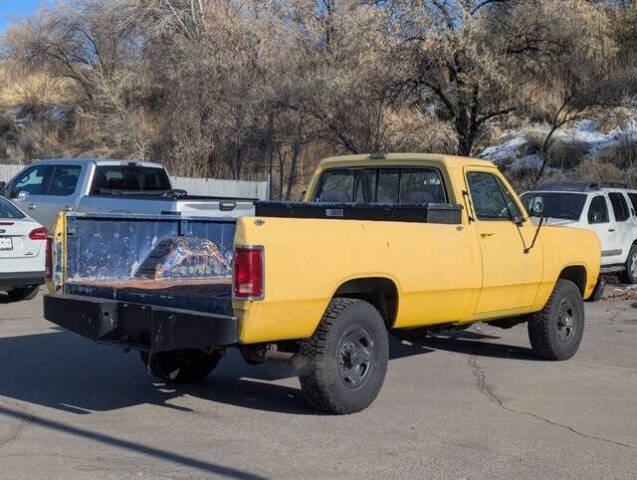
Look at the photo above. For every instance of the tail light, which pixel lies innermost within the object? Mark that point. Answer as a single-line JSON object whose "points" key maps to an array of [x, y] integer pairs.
{"points": [[38, 233], [248, 272], [48, 262]]}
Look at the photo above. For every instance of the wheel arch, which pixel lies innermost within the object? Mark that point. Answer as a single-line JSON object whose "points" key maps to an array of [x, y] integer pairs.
{"points": [[381, 292], [576, 274]]}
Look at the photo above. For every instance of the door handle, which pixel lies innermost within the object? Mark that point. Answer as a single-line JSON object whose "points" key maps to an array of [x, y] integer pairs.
{"points": [[485, 235], [611, 229]]}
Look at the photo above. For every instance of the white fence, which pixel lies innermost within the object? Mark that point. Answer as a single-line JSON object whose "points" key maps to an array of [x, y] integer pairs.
{"points": [[194, 186]]}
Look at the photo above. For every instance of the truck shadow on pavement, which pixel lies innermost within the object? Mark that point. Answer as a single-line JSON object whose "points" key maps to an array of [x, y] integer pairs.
{"points": [[469, 342], [60, 370]]}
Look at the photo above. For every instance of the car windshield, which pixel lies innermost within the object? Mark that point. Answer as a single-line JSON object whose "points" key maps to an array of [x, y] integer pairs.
{"points": [[7, 210], [565, 206]]}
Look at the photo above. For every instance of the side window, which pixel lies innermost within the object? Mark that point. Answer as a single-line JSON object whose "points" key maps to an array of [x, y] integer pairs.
{"points": [[633, 201], [491, 199], [620, 207], [34, 181], [421, 186], [598, 211], [64, 180]]}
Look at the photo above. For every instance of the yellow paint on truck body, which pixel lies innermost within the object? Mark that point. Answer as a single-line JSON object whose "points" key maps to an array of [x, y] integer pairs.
{"points": [[476, 270]]}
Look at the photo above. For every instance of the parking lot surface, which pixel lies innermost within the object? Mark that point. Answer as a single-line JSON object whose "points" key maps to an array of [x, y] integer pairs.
{"points": [[474, 406]]}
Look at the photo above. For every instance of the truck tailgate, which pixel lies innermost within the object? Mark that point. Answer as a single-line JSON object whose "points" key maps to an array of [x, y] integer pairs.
{"points": [[145, 281], [113, 256]]}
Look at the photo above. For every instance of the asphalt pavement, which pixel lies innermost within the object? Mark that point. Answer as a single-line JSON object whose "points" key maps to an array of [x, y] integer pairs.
{"points": [[474, 405]]}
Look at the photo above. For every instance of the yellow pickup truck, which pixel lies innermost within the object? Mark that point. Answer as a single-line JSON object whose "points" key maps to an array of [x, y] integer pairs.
{"points": [[381, 243]]}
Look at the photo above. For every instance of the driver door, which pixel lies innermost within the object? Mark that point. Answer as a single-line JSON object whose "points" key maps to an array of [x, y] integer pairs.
{"points": [[510, 276]]}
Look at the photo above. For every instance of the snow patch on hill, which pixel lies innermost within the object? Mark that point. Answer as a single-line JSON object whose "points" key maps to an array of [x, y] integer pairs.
{"points": [[510, 153]]}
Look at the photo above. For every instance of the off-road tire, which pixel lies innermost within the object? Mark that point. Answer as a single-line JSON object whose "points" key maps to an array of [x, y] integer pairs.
{"points": [[598, 293], [181, 366], [22, 293], [349, 328], [629, 274], [549, 332]]}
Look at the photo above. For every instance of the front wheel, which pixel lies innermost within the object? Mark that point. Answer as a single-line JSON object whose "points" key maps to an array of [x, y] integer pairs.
{"points": [[345, 361], [629, 274], [556, 332], [181, 366]]}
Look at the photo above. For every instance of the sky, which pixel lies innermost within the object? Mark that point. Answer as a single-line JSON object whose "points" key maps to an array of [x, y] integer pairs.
{"points": [[11, 9]]}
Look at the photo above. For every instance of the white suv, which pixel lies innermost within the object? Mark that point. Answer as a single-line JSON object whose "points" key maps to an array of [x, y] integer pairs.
{"points": [[607, 209]]}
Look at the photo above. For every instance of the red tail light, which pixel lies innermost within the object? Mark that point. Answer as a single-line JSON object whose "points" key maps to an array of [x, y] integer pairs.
{"points": [[6, 224], [48, 262], [248, 272], [38, 233]]}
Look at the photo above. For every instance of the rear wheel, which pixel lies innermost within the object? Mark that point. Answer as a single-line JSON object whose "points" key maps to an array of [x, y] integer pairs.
{"points": [[181, 366], [629, 275], [556, 332], [346, 358], [23, 293]]}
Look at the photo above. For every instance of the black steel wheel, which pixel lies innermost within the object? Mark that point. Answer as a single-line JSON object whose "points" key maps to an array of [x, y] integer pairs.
{"points": [[345, 361], [181, 366], [355, 355], [556, 332]]}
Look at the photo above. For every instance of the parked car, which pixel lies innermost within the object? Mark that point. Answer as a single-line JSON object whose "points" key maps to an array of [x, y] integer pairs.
{"points": [[382, 243], [607, 209], [22, 252], [46, 187]]}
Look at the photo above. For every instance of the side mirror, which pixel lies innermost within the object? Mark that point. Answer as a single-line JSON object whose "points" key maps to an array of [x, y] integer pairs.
{"points": [[538, 208], [22, 195], [3, 187]]}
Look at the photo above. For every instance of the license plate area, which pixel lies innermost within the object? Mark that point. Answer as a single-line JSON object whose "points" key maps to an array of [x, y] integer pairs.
{"points": [[6, 243]]}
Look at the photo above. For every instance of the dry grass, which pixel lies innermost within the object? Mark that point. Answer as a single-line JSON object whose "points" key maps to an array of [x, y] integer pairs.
{"points": [[566, 155], [19, 88]]}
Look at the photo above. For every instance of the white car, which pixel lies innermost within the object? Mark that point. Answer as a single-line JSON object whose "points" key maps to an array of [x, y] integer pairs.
{"points": [[607, 209], [22, 252]]}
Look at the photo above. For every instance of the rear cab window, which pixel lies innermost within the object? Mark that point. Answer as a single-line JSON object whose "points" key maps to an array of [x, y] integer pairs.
{"points": [[129, 178], [391, 185]]}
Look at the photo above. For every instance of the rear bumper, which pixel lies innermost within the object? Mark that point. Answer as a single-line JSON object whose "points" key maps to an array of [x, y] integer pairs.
{"points": [[142, 327], [21, 279]]}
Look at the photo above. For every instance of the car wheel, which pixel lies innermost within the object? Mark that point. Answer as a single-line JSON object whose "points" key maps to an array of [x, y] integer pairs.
{"points": [[23, 293], [556, 331], [345, 361], [629, 275], [181, 366]]}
